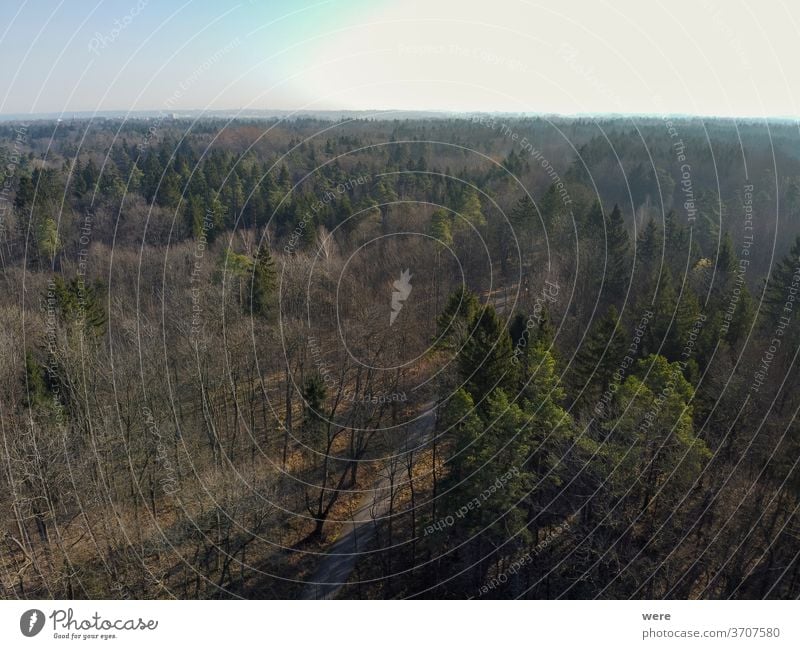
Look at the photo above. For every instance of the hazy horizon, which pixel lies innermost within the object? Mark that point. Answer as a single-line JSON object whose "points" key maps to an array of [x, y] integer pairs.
{"points": [[441, 56], [378, 113]]}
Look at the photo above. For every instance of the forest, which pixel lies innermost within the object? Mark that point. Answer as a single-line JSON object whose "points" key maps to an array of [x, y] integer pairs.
{"points": [[476, 356]]}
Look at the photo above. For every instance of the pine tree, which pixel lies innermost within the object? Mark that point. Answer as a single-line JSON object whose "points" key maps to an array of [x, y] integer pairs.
{"points": [[593, 221], [454, 321], [677, 243], [265, 284], [649, 245], [485, 361], [314, 395], [48, 238], [648, 260], [24, 196], [651, 447], [743, 316], [524, 214], [470, 209], [195, 216], [458, 421], [673, 319], [726, 263], [556, 216], [441, 227], [77, 182], [79, 303], [780, 282], [618, 264], [34, 385], [601, 353], [539, 379]]}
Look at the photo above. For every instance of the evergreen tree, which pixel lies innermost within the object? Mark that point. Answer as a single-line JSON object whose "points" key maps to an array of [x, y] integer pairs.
{"points": [[651, 447], [555, 215], [265, 284], [24, 196], [524, 214], [454, 321], [677, 244], [596, 360], [34, 384], [618, 264], [593, 221], [77, 182], [470, 209], [648, 247], [780, 282], [48, 238], [314, 394], [726, 263], [79, 303], [458, 421], [673, 319], [442, 227], [485, 361]]}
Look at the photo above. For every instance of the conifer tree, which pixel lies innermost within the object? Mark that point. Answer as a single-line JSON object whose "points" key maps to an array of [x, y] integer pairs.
{"points": [[485, 359], [265, 283], [780, 281], [454, 321], [596, 360], [441, 227], [651, 442], [470, 209], [618, 264], [648, 248]]}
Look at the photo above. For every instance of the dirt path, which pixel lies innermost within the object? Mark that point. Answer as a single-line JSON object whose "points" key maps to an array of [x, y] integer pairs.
{"points": [[336, 566]]}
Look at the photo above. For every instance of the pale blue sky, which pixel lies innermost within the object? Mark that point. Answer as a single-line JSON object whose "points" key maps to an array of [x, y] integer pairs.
{"points": [[705, 57]]}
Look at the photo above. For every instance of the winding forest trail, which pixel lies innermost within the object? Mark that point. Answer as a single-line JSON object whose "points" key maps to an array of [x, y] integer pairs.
{"points": [[336, 566]]}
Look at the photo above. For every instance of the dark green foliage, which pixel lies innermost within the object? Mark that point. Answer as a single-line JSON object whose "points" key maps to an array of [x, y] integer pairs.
{"points": [[524, 215], [602, 352], [441, 227], [460, 422], [78, 303], [453, 323], [593, 222], [618, 264], [265, 284], [34, 384], [485, 362], [780, 282], [676, 312], [652, 440], [648, 248]]}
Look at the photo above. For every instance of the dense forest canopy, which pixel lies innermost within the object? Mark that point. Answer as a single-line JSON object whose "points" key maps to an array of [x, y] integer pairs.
{"points": [[531, 357]]}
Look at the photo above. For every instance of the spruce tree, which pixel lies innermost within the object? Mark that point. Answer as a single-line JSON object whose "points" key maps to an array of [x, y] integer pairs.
{"points": [[593, 220], [595, 362], [441, 227], [618, 265], [649, 245], [265, 284], [485, 359], [454, 321], [780, 282], [470, 209]]}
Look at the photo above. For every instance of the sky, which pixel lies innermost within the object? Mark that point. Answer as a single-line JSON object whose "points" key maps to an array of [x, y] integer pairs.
{"points": [[701, 57]]}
